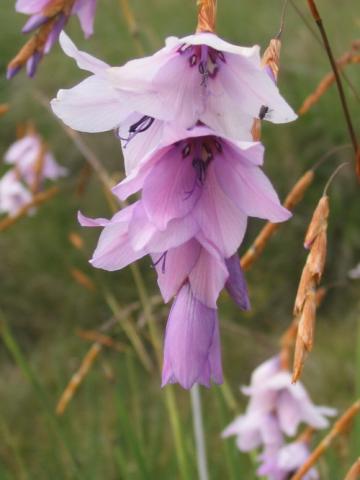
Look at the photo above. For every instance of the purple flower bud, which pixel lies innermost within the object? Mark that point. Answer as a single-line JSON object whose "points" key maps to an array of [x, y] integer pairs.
{"points": [[34, 22]]}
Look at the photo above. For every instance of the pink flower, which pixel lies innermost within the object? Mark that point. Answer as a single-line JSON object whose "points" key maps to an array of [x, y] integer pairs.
{"points": [[273, 396], [281, 464], [197, 190], [45, 11], [13, 194], [196, 78], [25, 153]]}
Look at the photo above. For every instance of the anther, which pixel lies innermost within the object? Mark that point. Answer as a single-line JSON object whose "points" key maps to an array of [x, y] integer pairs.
{"points": [[186, 150]]}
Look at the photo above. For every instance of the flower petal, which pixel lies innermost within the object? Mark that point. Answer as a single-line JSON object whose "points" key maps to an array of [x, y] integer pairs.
{"points": [[221, 222], [174, 268], [85, 10], [236, 283], [249, 188], [170, 189], [83, 59], [208, 277], [91, 106], [191, 342]]}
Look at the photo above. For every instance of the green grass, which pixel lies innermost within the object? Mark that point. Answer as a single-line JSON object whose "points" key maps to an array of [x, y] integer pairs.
{"points": [[118, 427]]}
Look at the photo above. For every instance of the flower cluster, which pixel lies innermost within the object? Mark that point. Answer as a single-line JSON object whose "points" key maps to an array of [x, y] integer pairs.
{"points": [[184, 117], [48, 18], [275, 410], [31, 164]]}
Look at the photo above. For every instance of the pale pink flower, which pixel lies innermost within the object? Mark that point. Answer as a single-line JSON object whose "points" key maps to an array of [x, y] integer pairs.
{"points": [[197, 190], [199, 78], [276, 405], [282, 463], [13, 194], [24, 155]]}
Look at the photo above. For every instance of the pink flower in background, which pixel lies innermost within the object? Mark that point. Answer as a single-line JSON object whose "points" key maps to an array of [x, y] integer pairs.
{"points": [[199, 78], [53, 16], [13, 194], [272, 394], [281, 464], [25, 154], [275, 410]]}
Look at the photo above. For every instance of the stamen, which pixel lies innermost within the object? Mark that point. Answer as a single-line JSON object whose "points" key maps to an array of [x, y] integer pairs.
{"points": [[186, 150], [218, 146], [162, 259], [140, 126], [221, 56], [209, 152], [193, 60]]}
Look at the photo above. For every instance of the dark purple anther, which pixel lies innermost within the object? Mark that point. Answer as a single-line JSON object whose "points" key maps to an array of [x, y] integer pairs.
{"points": [[186, 150], [162, 259], [55, 32], [218, 146], [32, 63]]}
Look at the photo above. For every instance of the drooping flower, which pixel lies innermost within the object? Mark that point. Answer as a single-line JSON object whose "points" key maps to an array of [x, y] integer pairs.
{"points": [[197, 190], [13, 194], [33, 161], [272, 394], [199, 78], [275, 411], [48, 17]]}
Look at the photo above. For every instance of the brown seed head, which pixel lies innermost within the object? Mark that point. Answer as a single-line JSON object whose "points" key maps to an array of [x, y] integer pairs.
{"points": [[271, 57], [4, 108], [299, 358], [318, 222], [317, 256], [354, 472], [307, 282], [76, 241], [206, 15], [306, 327]]}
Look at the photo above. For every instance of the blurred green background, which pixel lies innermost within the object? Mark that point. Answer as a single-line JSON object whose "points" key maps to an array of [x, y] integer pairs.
{"points": [[117, 425]]}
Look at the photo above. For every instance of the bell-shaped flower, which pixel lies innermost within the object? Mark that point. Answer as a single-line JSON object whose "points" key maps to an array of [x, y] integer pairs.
{"points": [[272, 394], [49, 17], [199, 78], [33, 161], [197, 190], [213, 181], [13, 194]]}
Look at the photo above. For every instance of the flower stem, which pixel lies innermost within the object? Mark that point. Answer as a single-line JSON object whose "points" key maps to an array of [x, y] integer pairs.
{"points": [[169, 391], [199, 433]]}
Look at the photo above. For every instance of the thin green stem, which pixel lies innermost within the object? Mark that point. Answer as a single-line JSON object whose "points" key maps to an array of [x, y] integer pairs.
{"points": [[319, 23], [15, 351]]}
